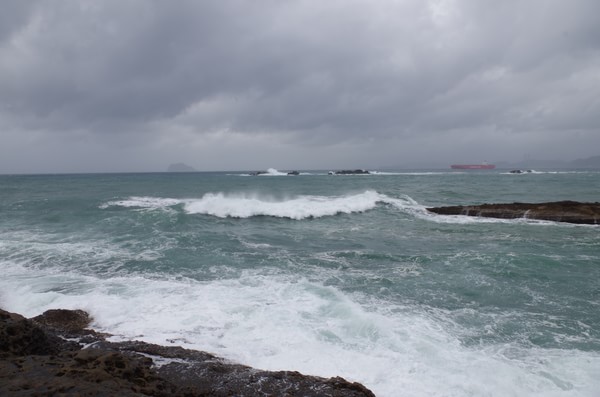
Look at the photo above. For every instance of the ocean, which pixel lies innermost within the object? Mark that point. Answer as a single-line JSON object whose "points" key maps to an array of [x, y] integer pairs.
{"points": [[344, 275]]}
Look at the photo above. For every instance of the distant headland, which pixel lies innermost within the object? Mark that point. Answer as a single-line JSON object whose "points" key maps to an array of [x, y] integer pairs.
{"points": [[180, 167]]}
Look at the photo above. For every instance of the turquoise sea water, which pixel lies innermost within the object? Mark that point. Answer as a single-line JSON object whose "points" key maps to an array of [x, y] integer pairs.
{"points": [[327, 275]]}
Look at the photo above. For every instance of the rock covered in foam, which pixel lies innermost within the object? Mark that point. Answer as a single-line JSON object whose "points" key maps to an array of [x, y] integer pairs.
{"points": [[35, 359], [559, 211]]}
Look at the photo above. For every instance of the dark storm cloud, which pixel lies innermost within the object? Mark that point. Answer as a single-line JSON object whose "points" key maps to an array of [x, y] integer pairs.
{"points": [[14, 14], [301, 72]]}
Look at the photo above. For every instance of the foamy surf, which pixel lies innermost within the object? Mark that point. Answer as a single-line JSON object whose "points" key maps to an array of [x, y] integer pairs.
{"points": [[282, 322], [268, 172], [273, 172], [248, 205], [243, 206], [143, 202]]}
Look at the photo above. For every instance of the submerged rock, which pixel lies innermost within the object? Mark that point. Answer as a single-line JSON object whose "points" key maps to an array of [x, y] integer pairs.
{"points": [[559, 211], [36, 359]]}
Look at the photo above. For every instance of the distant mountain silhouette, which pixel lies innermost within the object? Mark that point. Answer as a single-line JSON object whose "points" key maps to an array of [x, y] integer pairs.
{"points": [[180, 167], [586, 163], [590, 162]]}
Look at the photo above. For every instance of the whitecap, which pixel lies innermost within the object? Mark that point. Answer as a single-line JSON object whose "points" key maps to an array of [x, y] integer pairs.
{"points": [[301, 207], [142, 202]]}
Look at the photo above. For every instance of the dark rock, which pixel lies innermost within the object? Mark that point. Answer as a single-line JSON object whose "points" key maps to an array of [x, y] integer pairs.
{"points": [[88, 372], [35, 361], [293, 173], [349, 172], [559, 211], [68, 324], [20, 337], [64, 320], [210, 375]]}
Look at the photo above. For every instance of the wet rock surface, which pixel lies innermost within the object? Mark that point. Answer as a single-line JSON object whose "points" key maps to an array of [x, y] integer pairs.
{"points": [[558, 211], [349, 172], [37, 360]]}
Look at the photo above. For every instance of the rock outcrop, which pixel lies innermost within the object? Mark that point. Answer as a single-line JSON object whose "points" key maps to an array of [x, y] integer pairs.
{"points": [[559, 211], [45, 356], [349, 172]]}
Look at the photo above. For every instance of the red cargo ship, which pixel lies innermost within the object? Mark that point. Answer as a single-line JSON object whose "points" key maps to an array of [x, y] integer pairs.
{"points": [[483, 166]]}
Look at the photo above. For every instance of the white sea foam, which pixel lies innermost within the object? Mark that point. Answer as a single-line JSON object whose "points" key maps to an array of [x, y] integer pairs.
{"points": [[248, 205], [59, 253], [286, 323], [302, 207], [273, 172], [268, 172], [408, 205], [143, 202], [526, 172]]}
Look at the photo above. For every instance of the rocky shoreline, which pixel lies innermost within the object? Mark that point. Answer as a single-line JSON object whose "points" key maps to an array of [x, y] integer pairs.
{"points": [[56, 354], [558, 211]]}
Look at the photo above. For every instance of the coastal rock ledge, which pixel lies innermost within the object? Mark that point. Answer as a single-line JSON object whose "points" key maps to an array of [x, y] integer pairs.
{"points": [[558, 211], [54, 354]]}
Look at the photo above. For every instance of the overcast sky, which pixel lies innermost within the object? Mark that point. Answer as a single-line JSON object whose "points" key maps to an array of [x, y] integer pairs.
{"points": [[126, 85]]}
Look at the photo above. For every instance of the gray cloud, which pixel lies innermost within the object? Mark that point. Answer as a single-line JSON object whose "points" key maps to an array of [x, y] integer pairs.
{"points": [[308, 81]]}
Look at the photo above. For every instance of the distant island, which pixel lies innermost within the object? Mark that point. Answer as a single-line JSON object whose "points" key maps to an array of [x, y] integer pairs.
{"points": [[180, 167], [584, 163], [589, 162]]}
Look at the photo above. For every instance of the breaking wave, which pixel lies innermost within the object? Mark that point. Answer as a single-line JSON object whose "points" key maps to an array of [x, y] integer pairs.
{"points": [[268, 172], [244, 205], [302, 207], [247, 205]]}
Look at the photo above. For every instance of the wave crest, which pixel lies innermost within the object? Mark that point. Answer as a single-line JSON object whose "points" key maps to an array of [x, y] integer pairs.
{"points": [[302, 207], [246, 205]]}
